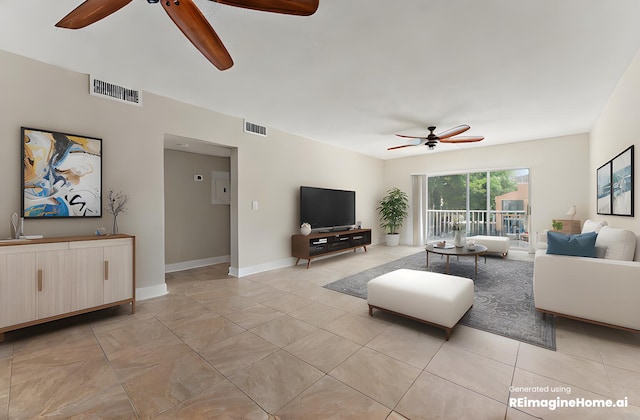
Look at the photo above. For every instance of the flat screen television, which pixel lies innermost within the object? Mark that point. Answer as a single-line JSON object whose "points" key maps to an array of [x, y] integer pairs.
{"points": [[325, 208]]}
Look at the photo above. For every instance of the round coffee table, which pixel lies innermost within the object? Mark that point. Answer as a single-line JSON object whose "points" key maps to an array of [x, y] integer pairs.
{"points": [[450, 250]]}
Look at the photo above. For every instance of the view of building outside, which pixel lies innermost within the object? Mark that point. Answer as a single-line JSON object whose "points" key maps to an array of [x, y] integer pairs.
{"points": [[480, 203]]}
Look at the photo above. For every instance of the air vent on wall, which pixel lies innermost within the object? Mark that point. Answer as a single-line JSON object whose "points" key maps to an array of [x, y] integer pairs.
{"points": [[256, 129], [114, 92]]}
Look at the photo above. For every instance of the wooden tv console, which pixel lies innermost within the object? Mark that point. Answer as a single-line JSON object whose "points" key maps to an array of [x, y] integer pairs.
{"points": [[315, 245]]}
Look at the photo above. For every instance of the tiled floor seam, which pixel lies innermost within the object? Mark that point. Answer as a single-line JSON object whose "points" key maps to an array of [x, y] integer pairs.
{"points": [[466, 388], [204, 359], [10, 383], [133, 407], [359, 392], [404, 394]]}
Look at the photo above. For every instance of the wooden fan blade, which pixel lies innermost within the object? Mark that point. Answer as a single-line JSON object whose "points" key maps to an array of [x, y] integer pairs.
{"points": [[186, 15], [405, 136], [90, 12], [463, 139], [415, 142], [287, 7], [453, 132], [401, 147]]}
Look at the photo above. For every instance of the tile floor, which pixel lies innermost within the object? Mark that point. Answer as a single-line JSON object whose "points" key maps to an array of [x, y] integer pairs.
{"points": [[278, 345]]}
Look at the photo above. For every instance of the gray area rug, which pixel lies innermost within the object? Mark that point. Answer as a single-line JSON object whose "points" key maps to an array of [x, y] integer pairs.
{"points": [[503, 294]]}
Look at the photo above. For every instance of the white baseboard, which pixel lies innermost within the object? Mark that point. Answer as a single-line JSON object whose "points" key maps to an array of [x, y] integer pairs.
{"points": [[144, 293], [186, 265], [259, 268]]}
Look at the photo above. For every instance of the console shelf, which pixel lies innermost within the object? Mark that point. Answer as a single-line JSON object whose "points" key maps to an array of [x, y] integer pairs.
{"points": [[315, 245]]}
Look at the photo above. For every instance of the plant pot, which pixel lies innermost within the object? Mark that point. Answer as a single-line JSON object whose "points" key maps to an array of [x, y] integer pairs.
{"points": [[393, 239]]}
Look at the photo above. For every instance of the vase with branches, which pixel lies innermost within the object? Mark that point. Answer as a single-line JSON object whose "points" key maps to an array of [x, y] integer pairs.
{"points": [[116, 204], [459, 231]]}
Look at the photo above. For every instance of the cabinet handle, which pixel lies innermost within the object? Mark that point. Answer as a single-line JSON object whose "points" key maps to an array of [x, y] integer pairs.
{"points": [[106, 270], [39, 280]]}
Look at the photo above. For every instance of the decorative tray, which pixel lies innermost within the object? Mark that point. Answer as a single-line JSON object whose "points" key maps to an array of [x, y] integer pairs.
{"points": [[445, 246]]}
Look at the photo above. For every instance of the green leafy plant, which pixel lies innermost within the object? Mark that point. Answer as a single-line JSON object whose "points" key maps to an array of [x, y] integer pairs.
{"points": [[393, 210], [556, 224]]}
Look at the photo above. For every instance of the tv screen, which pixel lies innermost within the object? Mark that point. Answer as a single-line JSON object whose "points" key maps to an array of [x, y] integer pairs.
{"points": [[327, 208]]}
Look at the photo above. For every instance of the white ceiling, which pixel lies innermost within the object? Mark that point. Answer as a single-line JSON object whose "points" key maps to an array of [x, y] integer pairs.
{"points": [[358, 71]]}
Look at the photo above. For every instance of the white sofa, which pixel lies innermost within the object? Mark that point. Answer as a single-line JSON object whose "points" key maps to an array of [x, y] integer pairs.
{"points": [[602, 290]]}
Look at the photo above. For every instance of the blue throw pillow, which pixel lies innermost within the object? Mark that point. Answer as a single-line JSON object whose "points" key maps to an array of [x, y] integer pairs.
{"points": [[583, 245]]}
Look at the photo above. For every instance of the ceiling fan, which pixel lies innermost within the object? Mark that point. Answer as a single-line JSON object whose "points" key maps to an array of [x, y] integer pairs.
{"points": [[186, 15], [445, 137]]}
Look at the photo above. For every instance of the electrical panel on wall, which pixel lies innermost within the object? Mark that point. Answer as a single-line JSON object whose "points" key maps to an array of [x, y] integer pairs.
{"points": [[220, 184]]}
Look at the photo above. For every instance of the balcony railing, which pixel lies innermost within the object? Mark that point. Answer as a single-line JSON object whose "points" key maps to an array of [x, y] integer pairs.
{"points": [[480, 222]]}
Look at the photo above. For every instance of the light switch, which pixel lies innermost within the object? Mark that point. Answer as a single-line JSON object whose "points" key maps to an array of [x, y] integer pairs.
{"points": [[254, 205]]}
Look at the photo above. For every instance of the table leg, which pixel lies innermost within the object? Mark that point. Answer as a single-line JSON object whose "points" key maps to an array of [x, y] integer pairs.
{"points": [[427, 258], [447, 270], [476, 265]]}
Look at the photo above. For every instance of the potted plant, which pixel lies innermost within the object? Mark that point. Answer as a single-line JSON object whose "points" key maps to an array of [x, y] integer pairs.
{"points": [[393, 210], [556, 225]]}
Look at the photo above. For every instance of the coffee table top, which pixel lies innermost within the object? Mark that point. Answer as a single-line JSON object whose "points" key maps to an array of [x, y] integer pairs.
{"points": [[478, 249]]}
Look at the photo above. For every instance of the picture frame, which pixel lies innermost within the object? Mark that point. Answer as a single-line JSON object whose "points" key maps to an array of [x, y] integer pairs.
{"points": [[61, 175], [603, 203], [622, 196]]}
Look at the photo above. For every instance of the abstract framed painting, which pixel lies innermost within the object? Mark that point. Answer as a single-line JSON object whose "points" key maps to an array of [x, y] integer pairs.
{"points": [[61, 175], [604, 189], [622, 183]]}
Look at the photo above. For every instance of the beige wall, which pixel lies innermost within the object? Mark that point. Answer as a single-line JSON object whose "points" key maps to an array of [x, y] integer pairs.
{"points": [[195, 229], [269, 170], [618, 128], [558, 168]]}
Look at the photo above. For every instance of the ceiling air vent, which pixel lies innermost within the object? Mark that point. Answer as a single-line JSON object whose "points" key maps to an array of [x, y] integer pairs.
{"points": [[256, 129], [114, 92]]}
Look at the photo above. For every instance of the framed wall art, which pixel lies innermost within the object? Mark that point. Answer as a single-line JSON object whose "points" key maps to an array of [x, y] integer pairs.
{"points": [[61, 175], [604, 189], [622, 183]]}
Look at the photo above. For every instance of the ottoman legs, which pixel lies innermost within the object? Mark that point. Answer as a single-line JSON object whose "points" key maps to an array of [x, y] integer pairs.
{"points": [[447, 330]]}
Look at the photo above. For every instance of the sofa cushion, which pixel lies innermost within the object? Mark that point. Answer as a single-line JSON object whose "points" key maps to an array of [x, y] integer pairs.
{"points": [[620, 243], [593, 226], [601, 251], [582, 245]]}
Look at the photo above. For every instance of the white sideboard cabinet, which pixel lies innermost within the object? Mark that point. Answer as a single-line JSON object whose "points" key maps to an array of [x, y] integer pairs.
{"points": [[46, 279]]}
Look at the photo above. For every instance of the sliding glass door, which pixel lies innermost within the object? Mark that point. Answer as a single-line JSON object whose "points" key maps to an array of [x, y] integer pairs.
{"points": [[491, 203]]}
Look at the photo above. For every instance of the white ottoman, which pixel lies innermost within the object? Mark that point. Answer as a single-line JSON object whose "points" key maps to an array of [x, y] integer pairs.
{"points": [[433, 298], [499, 244]]}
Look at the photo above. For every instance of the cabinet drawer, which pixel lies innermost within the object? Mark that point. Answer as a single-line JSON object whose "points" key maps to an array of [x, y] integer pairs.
{"points": [[359, 240], [340, 242], [19, 249], [318, 249], [100, 243]]}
